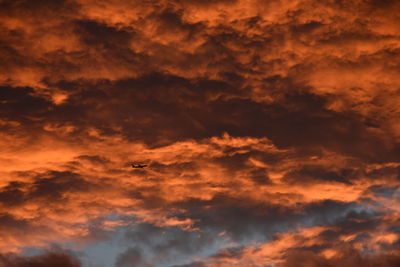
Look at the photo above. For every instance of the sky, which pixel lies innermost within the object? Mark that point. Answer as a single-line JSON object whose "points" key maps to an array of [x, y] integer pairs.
{"points": [[271, 131]]}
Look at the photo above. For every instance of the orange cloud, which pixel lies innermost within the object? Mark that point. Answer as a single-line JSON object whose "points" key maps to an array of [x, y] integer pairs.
{"points": [[270, 129]]}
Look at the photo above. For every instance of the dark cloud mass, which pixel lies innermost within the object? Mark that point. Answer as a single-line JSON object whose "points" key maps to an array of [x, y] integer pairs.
{"points": [[271, 131], [50, 259]]}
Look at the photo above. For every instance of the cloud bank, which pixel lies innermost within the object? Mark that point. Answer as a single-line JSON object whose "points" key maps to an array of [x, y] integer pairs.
{"points": [[271, 130]]}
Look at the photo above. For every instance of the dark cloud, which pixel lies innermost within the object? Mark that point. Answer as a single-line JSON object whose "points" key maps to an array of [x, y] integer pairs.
{"points": [[165, 245], [95, 34], [260, 121], [50, 186], [347, 257], [131, 257], [50, 259], [312, 173], [12, 194], [18, 104]]}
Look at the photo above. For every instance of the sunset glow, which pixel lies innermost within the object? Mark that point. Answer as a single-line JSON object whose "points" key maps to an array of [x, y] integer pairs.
{"points": [[261, 133]]}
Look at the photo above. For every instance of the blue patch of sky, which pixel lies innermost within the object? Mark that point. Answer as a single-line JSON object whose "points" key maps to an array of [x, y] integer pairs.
{"points": [[104, 252]]}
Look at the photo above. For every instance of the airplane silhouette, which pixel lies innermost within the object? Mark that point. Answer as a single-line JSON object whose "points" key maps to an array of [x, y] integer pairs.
{"points": [[138, 166]]}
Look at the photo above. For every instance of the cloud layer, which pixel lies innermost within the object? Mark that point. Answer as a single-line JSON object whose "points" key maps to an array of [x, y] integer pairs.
{"points": [[271, 130]]}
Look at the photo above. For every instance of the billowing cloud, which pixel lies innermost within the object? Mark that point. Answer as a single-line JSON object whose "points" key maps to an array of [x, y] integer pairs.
{"points": [[270, 130]]}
